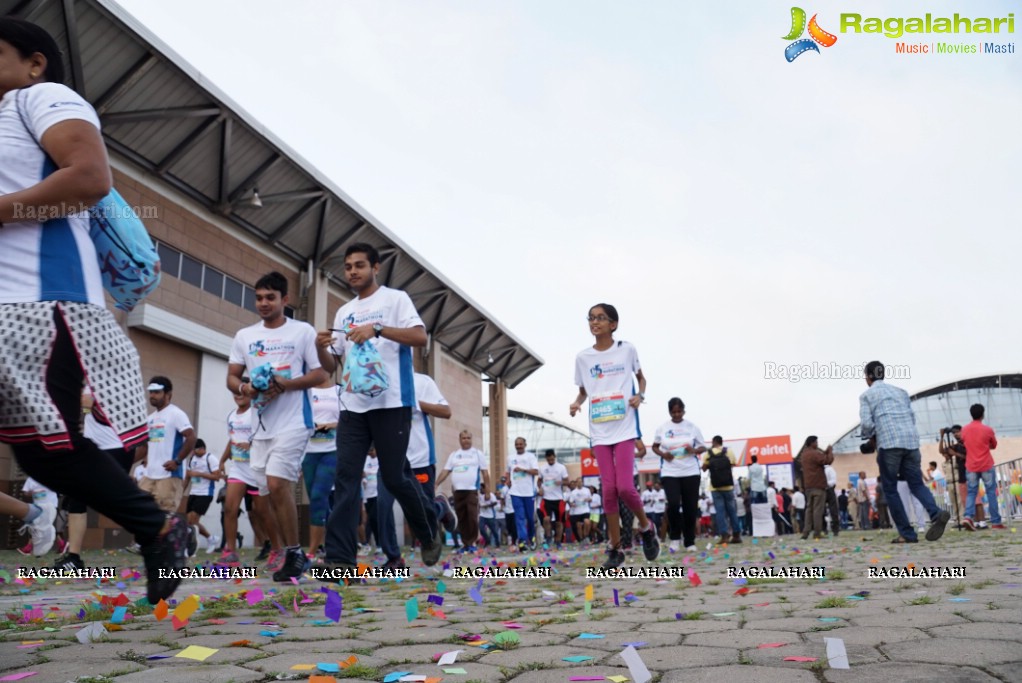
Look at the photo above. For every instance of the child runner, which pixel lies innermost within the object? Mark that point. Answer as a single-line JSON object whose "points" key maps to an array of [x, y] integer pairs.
{"points": [[604, 373], [320, 463], [203, 476]]}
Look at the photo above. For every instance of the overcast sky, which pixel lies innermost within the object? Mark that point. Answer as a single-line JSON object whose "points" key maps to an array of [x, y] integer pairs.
{"points": [[663, 157]]}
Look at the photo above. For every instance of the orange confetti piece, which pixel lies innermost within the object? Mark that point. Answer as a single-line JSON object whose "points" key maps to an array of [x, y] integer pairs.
{"points": [[322, 679], [239, 643], [350, 661], [160, 612]]}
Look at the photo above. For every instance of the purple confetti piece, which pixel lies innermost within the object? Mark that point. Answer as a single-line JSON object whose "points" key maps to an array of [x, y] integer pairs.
{"points": [[679, 615], [772, 556], [475, 595], [334, 605], [616, 603], [279, 606], [741, 582], [436, 600], [159, 657], [638, 644]]}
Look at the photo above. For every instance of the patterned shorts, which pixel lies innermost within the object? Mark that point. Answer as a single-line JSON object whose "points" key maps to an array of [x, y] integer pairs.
{"points": [[109, 363]]}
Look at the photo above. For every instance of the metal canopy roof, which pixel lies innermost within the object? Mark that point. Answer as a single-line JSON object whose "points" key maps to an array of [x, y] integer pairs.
{"points": [[162, 115]]}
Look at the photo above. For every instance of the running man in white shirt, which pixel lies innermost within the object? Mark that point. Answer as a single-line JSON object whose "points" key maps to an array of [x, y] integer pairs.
{"points": [[202, 475], [579, 499], [603, 374], [467, 468], [522, 467], [171, 441], [553, 476], [283, 362], [380, 326]]}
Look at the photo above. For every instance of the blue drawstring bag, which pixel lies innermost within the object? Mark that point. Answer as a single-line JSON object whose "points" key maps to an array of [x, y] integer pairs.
{"points": [[363, 371], [128, 260]]}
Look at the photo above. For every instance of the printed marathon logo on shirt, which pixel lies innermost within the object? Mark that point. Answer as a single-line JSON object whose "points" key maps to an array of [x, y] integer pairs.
{"points": [[264, 347], [157, 432], [601, 370], [363, 318]]}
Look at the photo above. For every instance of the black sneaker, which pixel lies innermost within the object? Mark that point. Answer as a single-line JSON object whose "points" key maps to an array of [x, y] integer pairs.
{"points": [[68, 562], [295, 564], [431, 553], [396, 563], [448, 517], [165, 552], [193, 541], [264, 553], [615, 558], [936, 529], [650, 544]]}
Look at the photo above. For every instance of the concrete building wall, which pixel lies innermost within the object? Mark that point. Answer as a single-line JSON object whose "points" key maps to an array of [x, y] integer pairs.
{"points": [[460, 386]]}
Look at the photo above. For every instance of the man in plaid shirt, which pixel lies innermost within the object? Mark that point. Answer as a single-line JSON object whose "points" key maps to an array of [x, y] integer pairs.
{"points": [[885, 414]]}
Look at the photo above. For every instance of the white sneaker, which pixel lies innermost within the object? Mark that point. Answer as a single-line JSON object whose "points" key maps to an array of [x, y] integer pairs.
{"points": [[211, 544], [692, 549], [134, 548], [42, 531], [675, 546]]}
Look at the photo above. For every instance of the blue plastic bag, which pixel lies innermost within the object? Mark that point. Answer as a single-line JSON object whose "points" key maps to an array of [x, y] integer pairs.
{"points": [[364, 372]]}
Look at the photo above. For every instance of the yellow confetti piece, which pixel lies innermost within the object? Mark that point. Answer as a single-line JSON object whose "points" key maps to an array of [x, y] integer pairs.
{"points": [[618, 679], [187, 608], [197, 652], [303, 667]]}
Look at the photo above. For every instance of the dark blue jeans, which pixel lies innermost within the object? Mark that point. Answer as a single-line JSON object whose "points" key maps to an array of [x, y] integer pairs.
{"points": [[727, 511], [905, 462], [525, 518]]}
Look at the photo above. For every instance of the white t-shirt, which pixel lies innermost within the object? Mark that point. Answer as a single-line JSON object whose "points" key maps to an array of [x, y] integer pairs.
{"points": [[465, 467], [390, 308], [579, 499], [102, 435], [831, 476], [139, 472], [325, 410], [647, 500], [673, 436], [607, 377], [369, 475], [757, 478], [798, 500], [509, 505], [239, 432], [502, 498], [937, 474], [523, 484], [291, 351], [165, 441], [57, 263], [487, 506], [659, 501], [596, 504], [551, 477], [421, 448], [207, 464], [704, 506], [41, 496], [772, 496]]}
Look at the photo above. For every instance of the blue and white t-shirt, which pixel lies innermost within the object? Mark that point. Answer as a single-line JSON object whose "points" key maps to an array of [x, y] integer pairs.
{"points": [[58, 263], [325, 411], [290, 350], [673, 437], [390, 308], [421, 449], [607, 378], [166, 427], [207, 464], [466, 468]]}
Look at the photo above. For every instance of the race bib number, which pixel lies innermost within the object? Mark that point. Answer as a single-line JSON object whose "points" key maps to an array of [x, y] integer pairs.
{"points": [[370, 478], [607, 408], [157, 432], [239, 453], [519, 474], [461, 469], [323, 436], [549, 483]]}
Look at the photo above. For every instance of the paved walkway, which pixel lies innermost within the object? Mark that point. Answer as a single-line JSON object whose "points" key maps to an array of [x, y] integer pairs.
{"points": [[892, 629]]}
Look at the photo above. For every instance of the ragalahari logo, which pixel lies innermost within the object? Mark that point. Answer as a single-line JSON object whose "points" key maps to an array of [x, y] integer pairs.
{"points": [[798, 26]]}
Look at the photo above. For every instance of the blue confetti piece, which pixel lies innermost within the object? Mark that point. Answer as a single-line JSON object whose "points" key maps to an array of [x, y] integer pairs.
{"points": [[475, 595], [741, 582], [118, 615]]}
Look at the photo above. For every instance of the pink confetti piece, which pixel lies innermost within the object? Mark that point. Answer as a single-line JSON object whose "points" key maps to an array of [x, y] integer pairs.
{"points": [[18, 676], [800, 659], [766, 645]]}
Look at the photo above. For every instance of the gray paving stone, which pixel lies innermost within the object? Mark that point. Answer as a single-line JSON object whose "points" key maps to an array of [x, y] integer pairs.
{"points": [[546, 656], [1009, 672], [774, 656], [422, 654], [61, 672], [966, 652], [1006, 631], [741, 638], [341, 645], [910, 619], [558, 676], [98, 652], [871, 637], [13, 658], [194, 674], [796, 624], [614, 642], [684, 626], [910, 673], [739, 673], [283, 663], [681, 656], [1000, 616]]}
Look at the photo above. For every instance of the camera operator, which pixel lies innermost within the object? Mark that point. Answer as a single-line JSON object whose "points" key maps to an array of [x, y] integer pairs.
{"points": [[885, 414], [954, 466]]}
